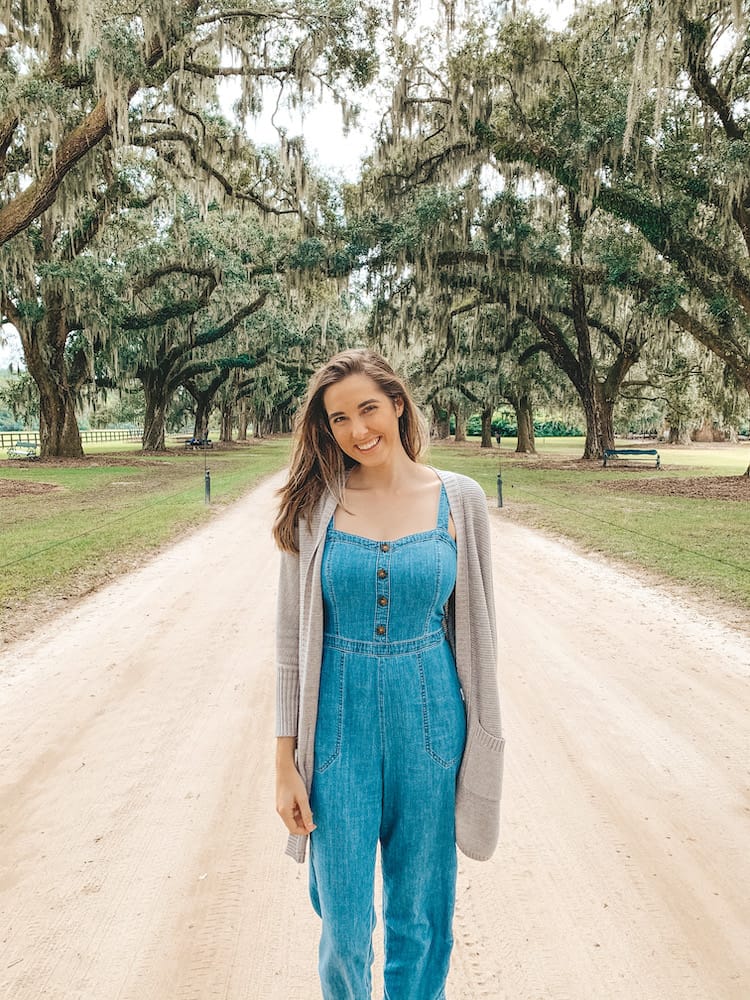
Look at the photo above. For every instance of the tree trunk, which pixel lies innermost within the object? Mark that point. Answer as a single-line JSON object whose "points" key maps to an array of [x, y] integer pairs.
{"points": [[597, 398], [526, 443], [44, 350], [258, 425], [227, 421], [486, 427], [59, 435], [155, 419], [458, 416], [242, 420], [202, 414], [679, 434], [599, 413], [441, 421]]}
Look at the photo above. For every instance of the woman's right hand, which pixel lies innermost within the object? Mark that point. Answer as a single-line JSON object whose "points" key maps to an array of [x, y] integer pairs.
{"points": [[292, 803]]}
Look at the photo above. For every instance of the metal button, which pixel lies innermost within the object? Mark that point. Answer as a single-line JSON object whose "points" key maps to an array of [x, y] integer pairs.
{"points": [[382, 574], [380, 630], [382, 601], [384, 547]]}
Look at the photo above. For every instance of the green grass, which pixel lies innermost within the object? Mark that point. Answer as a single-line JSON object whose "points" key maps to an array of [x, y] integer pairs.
{"points": [[110, 510], [703, 544]]}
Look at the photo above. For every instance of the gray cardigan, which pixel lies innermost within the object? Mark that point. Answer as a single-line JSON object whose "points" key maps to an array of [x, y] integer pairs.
{"points": [[471, 628]]}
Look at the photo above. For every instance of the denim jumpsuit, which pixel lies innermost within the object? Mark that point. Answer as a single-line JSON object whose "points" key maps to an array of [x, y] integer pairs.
{"points": [[389, 738]]}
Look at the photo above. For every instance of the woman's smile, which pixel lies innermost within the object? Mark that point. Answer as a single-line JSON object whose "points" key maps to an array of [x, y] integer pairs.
{"points": [[369, 445]]}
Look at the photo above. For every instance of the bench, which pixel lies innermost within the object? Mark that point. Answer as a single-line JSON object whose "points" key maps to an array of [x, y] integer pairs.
{"points": [[615, 454], [23, 450]]}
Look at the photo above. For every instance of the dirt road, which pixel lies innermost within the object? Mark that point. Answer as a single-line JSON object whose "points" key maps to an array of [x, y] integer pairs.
{"points": [[140, 857]]}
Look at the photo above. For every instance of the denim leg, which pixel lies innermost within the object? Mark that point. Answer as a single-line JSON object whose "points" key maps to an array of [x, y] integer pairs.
{"points": [[346, 800], [343, 898], [426, 731]]}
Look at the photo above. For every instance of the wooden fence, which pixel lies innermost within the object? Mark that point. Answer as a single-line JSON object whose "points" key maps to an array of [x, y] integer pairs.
{"points": [[8, 438]]}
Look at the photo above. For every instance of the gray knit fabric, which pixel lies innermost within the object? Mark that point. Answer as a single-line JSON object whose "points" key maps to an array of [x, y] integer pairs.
{"points": [[299, 647]]}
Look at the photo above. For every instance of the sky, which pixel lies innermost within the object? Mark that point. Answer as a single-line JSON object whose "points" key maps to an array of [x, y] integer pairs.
{"points": [[333, 151]]}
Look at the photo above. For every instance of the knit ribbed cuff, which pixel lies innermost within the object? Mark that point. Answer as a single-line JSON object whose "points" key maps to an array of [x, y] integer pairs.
{"points": [[287, 701]]}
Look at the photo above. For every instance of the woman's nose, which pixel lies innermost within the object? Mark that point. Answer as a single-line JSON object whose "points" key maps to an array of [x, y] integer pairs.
{"points": [[359, 427]]}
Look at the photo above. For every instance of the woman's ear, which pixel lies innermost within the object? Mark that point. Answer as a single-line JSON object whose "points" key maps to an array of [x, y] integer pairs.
{"points": [[399, 405]]}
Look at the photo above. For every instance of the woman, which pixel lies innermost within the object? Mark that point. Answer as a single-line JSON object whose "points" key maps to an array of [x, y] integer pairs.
{"points": [[388, 717]]}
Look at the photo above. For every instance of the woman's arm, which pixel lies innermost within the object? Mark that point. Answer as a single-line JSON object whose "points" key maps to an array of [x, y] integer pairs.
{"points": [[292, 803]]}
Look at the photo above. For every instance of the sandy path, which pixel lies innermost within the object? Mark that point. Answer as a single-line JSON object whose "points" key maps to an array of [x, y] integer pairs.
{"points": [[140, 858]]}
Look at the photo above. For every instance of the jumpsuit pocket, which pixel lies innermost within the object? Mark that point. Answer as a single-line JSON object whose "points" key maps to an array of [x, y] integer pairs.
{"points": [[443, 713], [330, 724]]}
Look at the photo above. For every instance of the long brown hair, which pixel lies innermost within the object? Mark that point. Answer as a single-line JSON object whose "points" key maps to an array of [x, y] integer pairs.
{"points": [[317, 462]]}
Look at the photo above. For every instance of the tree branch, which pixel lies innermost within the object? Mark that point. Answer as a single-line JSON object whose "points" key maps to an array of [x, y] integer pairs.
{"points": [[38, 196], [175, 310], [149, 280], [11, 312], [707, 269], [56, 43], [177, 136], [81, 237], [217, 332], [8, 127], [693, 37], [208, 71]]}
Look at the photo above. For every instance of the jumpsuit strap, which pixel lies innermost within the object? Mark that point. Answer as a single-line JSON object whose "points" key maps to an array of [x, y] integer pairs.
{"points": [[444, 510]]}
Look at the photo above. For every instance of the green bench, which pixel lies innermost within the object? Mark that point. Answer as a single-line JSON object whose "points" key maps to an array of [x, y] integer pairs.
{"points": [[615, 454]]}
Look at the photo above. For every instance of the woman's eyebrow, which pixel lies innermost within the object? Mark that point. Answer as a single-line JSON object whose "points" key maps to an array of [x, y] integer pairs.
{"points": [[340, 413]]}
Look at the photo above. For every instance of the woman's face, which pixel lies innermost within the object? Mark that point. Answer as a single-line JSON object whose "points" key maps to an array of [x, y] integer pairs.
{"points": [[363, 420]]}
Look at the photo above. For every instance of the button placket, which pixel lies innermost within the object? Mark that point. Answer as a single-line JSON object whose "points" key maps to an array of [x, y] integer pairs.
{"points": [[382, 590]]}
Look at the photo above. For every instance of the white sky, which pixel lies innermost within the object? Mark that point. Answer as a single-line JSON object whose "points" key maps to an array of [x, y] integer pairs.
{"points": [[321, 126]]}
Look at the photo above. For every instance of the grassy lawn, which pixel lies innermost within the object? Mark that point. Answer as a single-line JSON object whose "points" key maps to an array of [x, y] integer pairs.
{"points": [[704, 544], [68, 526]]}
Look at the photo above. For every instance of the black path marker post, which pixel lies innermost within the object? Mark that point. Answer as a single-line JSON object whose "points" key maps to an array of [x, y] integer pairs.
{"points": [[499, 487], [206, 476]]}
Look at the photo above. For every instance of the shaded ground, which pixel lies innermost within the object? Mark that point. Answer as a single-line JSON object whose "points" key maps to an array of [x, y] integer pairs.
{"points": [[697, 488], [134, 458], [19, 487], [643, 478]]}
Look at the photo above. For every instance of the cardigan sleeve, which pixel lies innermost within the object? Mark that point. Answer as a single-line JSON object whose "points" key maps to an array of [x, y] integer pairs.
{"points": [[479, 785], [287, 645], [483, 623]]}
